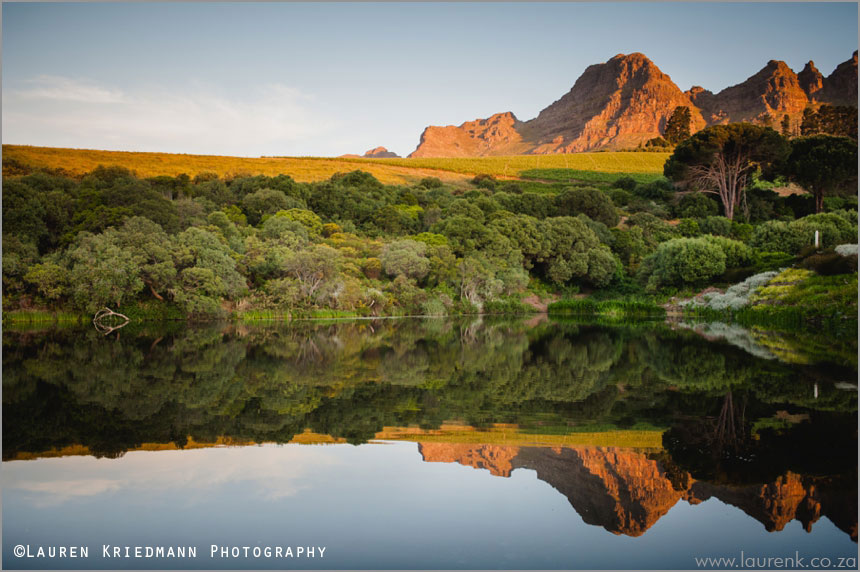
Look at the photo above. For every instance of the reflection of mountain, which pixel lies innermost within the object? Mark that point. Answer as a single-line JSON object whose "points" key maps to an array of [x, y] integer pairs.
{"points": [[626, 492]]}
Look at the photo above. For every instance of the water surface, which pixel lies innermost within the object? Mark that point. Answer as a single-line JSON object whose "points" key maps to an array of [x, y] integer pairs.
{"points": [[427, 444]]}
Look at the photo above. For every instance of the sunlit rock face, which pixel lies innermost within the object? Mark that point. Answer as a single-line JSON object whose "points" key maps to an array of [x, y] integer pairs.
{"points": [[625, 491], [624, 102], [494, 458], [619, 489]]}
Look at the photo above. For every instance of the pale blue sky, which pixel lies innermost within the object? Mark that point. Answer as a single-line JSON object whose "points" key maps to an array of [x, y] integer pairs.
{"points": [[329, 78]]}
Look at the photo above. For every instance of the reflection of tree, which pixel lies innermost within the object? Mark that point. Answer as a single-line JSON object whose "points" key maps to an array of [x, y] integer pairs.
{"points": [[728, 432], [350, 379], [722, 448]]}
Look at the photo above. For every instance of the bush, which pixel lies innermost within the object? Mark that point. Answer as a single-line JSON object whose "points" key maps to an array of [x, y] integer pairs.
{"points": [[640, 205], [661, 190], [405, 258], [688, 227], [484, 182], [620, 197], [737, 253], [593, 203], [778, 236], [742, 231], [716, 225], [830, 263], [792, 237], [683, 261], [735, 297], [434, 307], [430, 183], [654, 230], [697, 205], [626, 183]]}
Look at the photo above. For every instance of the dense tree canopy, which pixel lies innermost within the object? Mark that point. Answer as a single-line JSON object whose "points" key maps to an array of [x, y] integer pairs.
{"points": [[824, 165], [720, 159]]}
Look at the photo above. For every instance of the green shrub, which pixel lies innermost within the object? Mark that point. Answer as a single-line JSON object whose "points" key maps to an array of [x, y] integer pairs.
{"points": [[591, 202], [830, 263], [434, 307], [777, 236], [654, 208], [742, 231], [683, 261], [654, 230], [484, 181], [620, 197], [716, 225], [620, 308], [737, 253], [507, 306], [697, 205], [626, 183], [661, 190], [689, 227]]}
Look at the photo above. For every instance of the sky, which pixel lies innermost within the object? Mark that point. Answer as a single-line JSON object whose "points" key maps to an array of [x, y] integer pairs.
{"points": [[325, 79]]}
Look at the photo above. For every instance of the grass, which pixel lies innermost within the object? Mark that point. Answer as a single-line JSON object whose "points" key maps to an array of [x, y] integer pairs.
{"points": [[616, 309], [794, 300], [615, 164], [42, 317], [576, 175], [589, 167]]}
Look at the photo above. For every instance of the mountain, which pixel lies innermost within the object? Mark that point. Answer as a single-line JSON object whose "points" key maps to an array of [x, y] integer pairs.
{"points": [[618, 104], [840, 87], [774, 91], [375, 153], [627, 100], [380, 153], [811, 81]]}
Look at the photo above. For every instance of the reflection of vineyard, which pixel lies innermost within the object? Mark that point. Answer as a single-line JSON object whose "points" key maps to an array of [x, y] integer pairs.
{"points": [[736, 421]]}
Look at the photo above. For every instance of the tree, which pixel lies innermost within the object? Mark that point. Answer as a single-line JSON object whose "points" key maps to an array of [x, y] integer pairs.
{"points": [[206, 272], [720, 159], [102, 272], [839, 120], [266, 201], [678, 125], [809, 125], [592, 203], [785, 126], [407, 258], [313, 268], [823, 165], [150, 246]]}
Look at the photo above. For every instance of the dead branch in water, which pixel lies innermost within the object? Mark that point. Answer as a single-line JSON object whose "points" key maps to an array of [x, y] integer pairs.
{"points": [[103, 326]]}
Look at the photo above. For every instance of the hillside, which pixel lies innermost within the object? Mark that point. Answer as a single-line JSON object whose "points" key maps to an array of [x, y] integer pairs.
{"points": [[588, 166]]}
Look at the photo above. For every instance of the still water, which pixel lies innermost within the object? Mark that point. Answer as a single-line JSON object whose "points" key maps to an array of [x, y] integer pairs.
{"points": [[427, 444]]}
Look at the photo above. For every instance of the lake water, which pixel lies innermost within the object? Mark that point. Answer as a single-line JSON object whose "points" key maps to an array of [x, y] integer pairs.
{"points": [[428, 444]]}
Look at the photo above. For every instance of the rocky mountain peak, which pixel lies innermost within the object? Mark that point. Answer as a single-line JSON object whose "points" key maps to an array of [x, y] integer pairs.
{"points": [[840, 87], [380, 153], [810, 79], [627, 100]]}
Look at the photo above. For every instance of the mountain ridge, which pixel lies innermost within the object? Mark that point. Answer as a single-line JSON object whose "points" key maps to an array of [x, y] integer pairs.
{"points": [[625, 101]]}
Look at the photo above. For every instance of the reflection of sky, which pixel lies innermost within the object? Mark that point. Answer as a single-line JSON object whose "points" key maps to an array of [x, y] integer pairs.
{"points": [[372, 506]]}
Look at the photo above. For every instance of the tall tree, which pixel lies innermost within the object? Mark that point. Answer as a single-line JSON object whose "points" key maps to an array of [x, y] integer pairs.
{"points": [[719, 160], [786, 126], [823, 165], [809, 125], [678, 125]]}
